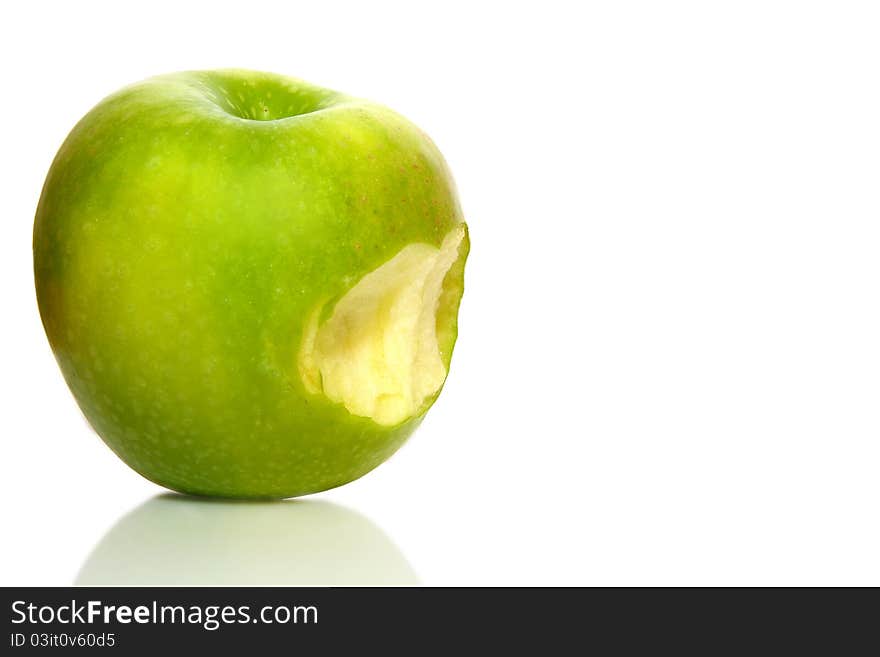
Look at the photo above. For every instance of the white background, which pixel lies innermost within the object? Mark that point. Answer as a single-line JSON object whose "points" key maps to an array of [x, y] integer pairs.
{"points": [[669, 363]]}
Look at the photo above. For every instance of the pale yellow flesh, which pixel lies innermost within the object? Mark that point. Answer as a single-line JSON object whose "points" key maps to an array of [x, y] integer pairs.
{"points": [[377, 353]]}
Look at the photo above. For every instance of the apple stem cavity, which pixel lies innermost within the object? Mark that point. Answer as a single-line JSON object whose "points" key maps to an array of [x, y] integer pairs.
{"points": [[265, 97]]}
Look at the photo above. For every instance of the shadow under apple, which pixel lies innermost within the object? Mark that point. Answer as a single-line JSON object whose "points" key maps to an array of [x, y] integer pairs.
{"points": [[177, 540]]}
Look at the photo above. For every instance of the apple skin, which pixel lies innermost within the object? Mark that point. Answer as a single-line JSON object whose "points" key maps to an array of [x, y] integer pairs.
{"points": [[179, 244]]}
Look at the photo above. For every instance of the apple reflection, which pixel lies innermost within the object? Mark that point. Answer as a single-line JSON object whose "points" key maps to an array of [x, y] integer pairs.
{"points": [[176, 540]]}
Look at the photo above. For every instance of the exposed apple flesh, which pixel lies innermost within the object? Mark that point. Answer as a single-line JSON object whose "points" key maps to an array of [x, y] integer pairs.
{"points": [[378, 353]]}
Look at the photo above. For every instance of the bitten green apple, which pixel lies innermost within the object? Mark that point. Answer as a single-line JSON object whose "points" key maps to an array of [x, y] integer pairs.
{"points": [[251, 284]]}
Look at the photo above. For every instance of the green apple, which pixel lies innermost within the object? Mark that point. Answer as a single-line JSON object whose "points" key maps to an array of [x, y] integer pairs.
{"points": [[251, 284]]}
